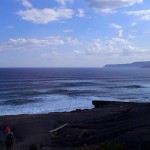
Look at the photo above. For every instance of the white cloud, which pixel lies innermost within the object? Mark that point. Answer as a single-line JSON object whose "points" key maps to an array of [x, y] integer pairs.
{"points": [[72, 41], [121, 41], [116, 46], [133, 24], [64, 51], [80, 13], [67, 31], [98, 46], [63, 22], [26, 4], [10, 27], [17, 41], [141, 14], [126, 47], [120, 33], [46, 15], [131, 36], [47, 43], [63, 2], [51, 41], [108, 6], [113, 25]]}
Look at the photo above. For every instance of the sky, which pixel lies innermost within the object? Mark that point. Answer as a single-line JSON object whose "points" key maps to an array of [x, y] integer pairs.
{"points": [[73, 33]]}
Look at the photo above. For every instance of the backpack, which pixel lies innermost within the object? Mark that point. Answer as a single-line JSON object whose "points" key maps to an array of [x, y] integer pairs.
{"points": [[9, 138]]}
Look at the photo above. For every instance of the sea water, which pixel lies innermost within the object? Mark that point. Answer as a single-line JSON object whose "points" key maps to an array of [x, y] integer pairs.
{"points": [[43, 90]]}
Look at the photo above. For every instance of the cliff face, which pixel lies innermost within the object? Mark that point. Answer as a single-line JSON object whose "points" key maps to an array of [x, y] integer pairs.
{"points": [[145, 64]]}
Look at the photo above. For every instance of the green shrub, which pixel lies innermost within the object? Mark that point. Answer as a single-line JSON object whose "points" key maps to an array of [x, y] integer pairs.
{"points": [[111, 146], [33, 147], [105, 146]]}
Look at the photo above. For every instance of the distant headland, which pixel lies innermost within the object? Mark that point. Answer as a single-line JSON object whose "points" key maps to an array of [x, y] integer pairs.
{"points": [[144, 64]]}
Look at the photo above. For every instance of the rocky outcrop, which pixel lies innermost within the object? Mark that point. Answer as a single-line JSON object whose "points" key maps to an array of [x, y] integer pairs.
{"points": [[117, 122]]}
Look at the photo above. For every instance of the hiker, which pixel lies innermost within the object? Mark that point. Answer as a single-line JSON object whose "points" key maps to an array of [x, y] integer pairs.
{"points": [[9, 139]]}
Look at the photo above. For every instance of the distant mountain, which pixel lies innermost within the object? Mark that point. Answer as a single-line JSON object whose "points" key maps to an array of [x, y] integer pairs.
{"points": [[144, 64]]}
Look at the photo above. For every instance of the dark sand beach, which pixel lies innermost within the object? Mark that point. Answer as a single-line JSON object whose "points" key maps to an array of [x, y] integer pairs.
{"points": [[118, 123]]}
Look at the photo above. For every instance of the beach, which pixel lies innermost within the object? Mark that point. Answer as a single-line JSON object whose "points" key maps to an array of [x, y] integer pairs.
{"points": [[122, 123]]}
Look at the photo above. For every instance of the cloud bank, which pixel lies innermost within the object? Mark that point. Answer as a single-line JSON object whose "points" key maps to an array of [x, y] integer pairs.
{"points": [[109, 6], [46, 15], [26, 4], [63, 2], [141, 14]]}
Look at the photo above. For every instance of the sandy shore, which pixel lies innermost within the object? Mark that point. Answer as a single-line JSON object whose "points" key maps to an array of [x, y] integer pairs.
{"points": [[127, 124]]}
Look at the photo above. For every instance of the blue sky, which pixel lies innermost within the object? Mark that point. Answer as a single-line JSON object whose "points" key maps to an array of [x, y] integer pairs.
{"points": [[73, 33]]}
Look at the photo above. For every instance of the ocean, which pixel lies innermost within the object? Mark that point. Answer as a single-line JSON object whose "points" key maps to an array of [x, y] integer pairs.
{"points": [[43, 90]]}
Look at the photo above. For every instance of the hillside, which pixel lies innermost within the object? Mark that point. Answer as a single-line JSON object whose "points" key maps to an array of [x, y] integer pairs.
{"points": [[145, 64]]}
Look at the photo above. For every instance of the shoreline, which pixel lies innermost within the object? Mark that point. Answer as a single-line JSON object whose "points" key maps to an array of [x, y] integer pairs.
{"points": [[126, 123], [99, 102]]}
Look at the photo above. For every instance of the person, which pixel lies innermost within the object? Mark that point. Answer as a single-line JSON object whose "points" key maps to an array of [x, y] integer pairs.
{"points": [[9, 139]]}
